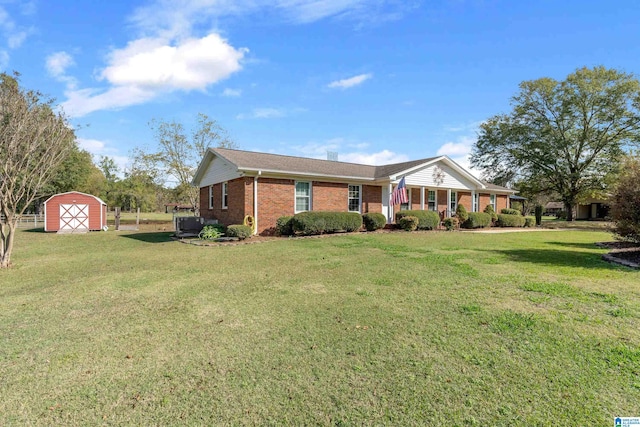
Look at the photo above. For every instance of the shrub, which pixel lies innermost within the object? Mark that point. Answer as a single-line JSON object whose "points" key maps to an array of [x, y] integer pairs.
{"points": [[239, 230], [326, 222], [451, 223], [529, 221], [374, 221], [427, 220], [409, 223], [505, 220], [510, 211], [461, 213], [284, 226], [625, 202], [211, 232], [489, 210], [477, 220], [539, 215]]}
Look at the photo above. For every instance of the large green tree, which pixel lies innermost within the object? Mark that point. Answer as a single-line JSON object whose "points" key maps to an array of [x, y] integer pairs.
{"points": [[179, 153], [34, 141], [564, 137]]}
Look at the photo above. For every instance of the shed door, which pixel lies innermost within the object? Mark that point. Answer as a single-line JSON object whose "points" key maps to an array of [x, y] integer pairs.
{"points": [[74, 217]]}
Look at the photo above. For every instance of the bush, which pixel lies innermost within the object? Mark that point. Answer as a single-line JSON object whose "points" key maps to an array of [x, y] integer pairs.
{"points": [[211, 232], [239, 230], [409, 223], [326, 222], [461, 213], [625, 202], [284, 226], [529, 221], [539, 215], [374, 221], [510, 211], [489, 210], [427, 220], [451, 223], [477, 220], [505, 220]]}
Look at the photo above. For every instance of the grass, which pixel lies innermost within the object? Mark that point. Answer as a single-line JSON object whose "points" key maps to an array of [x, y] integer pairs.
{"points": [[368, 329]]}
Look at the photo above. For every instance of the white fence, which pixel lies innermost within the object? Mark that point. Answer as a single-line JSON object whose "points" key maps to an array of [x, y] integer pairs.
{"points": [[28, 220]]}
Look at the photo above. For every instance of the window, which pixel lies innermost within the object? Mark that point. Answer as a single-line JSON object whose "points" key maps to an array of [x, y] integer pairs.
{"points": [[432, 200], [476, 199], [453, 202], [225, 195], [303, 196], [492, 201], [354, 198], [211, 197], [406, 206]]}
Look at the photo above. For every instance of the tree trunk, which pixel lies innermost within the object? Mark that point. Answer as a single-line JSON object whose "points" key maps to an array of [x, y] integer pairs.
{"points": [[8, 232], [569, 208]]}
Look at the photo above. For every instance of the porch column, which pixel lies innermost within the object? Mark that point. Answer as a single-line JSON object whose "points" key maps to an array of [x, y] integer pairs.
{"points": [[390, 207], [474, 206], [421, 198], [448, 202]]}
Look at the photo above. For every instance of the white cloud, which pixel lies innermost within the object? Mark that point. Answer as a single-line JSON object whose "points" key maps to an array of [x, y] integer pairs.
{"points": [[319, 151], [460, 152], [149, 67], [177, 17], [232, 93], [57, 63], [4, 59], [263, 113], [14, 34], [383, 157], [350, 82], [99, 148]]}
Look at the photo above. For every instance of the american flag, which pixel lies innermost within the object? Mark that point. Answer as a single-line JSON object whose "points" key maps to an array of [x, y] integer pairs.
{"points": [[399, 195]]}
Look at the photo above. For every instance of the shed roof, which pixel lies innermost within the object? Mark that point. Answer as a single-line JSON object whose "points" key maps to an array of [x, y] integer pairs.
{"points": [[77, 192]]}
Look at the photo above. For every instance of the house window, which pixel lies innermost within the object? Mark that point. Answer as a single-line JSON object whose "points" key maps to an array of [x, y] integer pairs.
{"points": [[354, 198], [476, 199], [453, 202], [432, 200], [406, 206], [211, 197], [492, 201], [303, 196], [225, 194]]}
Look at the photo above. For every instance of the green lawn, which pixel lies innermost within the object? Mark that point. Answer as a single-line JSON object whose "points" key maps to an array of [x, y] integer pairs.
{"points": [[436, 328]]}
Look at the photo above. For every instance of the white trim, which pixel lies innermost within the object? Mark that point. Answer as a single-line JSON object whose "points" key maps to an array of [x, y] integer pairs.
{"points": [[390, 218], [448, 210], [295, 196], [495, 202], [475, 201], [255, 202], [224, 192], [211, 197], [422, 198], [443, 159]]}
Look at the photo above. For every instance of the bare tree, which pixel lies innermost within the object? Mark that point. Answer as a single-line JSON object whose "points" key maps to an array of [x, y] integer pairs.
{"points": [[34, 141], [178, 156]]}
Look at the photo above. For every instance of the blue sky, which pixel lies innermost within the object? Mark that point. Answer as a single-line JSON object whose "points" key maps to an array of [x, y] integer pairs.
{"points": [[378, 81]]}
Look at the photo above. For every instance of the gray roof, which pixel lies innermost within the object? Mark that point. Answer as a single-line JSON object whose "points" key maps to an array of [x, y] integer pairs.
{"points": [[252, 160]]}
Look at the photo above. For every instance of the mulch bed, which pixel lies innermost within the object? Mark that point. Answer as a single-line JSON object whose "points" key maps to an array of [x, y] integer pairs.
{"points": [[624, 253]]}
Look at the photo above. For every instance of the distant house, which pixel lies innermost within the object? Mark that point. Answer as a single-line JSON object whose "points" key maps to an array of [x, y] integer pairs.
{"points": [[553, 208], [235, 183], [591, 209]]}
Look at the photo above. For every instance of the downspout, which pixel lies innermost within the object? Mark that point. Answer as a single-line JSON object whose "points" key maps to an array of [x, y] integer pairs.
{"points": [[389, 206], [255, 201]]}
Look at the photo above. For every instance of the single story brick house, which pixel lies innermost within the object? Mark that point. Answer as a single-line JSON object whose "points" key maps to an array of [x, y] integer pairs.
{"points": [[236, 183]]}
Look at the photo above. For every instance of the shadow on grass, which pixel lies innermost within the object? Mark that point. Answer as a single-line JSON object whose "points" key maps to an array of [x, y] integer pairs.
{"points": [[32, 230], [574, 245], [159, 237], [556, 257]]}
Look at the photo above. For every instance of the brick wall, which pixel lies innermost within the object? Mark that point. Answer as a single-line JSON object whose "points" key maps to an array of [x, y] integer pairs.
{"points": [[235, 211], [371, 199], [276, 198], [465, 200], [329, 196], [484, 200], [501, 202], [415, 199], [443, 202]]}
